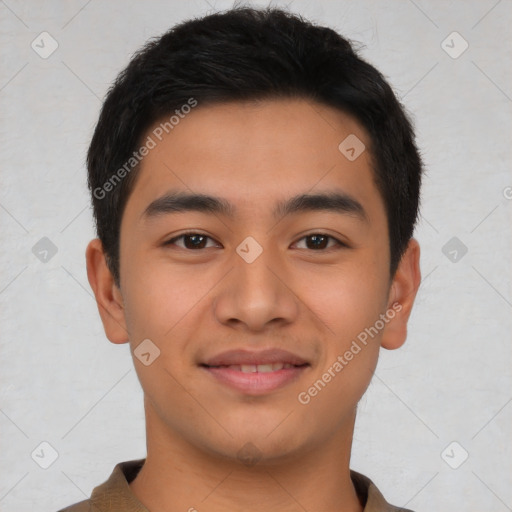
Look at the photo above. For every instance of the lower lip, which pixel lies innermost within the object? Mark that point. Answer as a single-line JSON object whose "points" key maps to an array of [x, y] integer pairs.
{"points": [[256, 383]]}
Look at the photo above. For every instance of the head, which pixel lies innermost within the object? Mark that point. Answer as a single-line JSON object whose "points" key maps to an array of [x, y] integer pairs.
{"points": [[298, 153]]}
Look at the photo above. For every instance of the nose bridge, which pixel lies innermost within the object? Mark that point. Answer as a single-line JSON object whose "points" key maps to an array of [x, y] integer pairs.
{"points": [[253, 293], [254, 283], [255, 277]]}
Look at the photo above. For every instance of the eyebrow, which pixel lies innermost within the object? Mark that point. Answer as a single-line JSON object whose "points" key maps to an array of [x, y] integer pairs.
{"points": [[179, 202]]}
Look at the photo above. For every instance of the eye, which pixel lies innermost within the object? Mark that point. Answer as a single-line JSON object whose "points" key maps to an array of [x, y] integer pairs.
{"points": [[190, 241], [319, 241], [196, 241]]}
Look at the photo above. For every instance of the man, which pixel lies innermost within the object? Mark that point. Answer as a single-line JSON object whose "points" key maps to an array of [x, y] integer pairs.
{"points": [[255, 186]]}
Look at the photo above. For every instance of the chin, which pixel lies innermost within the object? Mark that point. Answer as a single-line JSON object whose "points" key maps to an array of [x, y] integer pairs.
{"points": [[251, 447]]}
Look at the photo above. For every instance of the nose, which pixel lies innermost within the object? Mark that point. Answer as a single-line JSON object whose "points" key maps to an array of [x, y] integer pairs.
{"points": [[255, 295]]}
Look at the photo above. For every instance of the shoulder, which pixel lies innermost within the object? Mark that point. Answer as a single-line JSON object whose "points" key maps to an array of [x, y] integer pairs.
{"points": [[371, 496], [81, 506], [113, 495]]}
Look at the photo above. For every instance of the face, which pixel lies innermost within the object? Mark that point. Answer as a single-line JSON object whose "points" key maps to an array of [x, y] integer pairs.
{"points": [[258, 296]]}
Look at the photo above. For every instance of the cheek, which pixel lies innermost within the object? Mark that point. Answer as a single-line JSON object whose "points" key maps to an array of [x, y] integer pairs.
{"points": [[348, 306], [346, 301], [159, 297], [158, 306]]}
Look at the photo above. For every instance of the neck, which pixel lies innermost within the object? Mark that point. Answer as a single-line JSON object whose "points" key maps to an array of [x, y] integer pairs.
{"points": [[178, 476]]}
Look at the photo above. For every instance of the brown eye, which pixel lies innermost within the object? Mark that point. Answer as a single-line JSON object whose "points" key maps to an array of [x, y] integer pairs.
{"points": [[319, 241], [192, 241]]}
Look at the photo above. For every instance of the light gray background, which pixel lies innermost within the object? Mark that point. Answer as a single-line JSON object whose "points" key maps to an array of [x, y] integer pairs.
{"points": [[62, 381]]}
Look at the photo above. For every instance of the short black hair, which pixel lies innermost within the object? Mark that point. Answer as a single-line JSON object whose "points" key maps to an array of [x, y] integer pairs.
{"points": [[245, 54]]}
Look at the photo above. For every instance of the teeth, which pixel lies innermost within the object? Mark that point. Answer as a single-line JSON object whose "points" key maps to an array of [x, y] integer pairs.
{"points": [[259, 368], [248, 368]]}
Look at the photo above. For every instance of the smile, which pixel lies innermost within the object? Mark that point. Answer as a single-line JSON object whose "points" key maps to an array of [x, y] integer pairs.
{"points": [[256, 379], [256, 368]]}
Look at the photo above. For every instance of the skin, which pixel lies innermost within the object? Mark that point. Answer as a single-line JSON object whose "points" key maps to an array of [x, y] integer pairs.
{"points": [[196, 303]]}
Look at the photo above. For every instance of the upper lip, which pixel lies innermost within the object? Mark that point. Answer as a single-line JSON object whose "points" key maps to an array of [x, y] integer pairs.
{"points": [[269, 356]]}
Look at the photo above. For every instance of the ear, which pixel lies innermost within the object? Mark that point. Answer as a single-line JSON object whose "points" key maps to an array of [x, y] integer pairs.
{"points": [[404, 287], [108, 295]]}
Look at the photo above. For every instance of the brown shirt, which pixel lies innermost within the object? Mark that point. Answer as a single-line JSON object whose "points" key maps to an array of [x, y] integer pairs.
{"points": [[115, 494]]}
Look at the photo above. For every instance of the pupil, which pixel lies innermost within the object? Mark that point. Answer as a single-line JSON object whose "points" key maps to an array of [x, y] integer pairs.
{"points": [[196, 241], [316, 239]]}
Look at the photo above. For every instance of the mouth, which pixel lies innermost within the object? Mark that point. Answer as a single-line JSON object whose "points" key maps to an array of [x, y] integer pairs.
{"points": [[256, 368], [255, 373]]}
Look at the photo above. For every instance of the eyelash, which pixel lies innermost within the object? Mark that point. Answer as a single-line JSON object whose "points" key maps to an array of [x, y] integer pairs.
{"points": [[338, 244]]}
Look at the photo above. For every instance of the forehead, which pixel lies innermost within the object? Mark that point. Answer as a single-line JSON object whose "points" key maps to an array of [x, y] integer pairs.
{"points": [[251, 153]]}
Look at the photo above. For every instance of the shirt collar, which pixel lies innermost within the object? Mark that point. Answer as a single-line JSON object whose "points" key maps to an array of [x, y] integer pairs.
{"points": [[115, 494]]}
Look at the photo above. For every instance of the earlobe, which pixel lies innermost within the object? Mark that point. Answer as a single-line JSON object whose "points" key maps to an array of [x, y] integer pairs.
{"points": [[404, 287], [108, 296]]}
